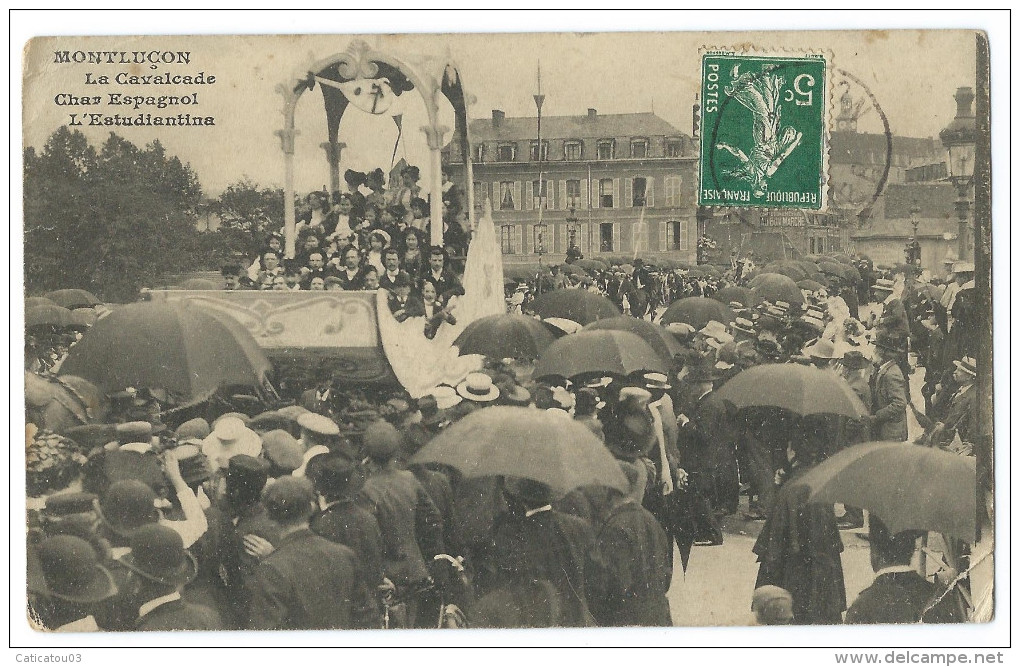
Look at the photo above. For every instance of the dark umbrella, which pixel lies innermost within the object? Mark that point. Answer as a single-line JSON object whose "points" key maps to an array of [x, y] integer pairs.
{"points": [[776, 287], [830, 268], [37, 301], [525, 442], [53, 316], [507, 335], [803, 390], [810, 285], [663, 342], [616, 352], [906, 485], [181, 347], [840, 258], [742, 295], [73, 298], [790, 268], [83, 318], [697, 311], [574, 304]]}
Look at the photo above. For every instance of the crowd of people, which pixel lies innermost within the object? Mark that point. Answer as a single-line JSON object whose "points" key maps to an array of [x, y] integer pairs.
{"points": [[343, 238], [311, 516]]}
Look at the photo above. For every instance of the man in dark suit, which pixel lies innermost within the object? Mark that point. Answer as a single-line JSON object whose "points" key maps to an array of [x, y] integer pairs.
{"points": [[307, 582], [445, 280], [957, 419], [899, 594], [350, 274], [533, 542], [346, 519], [888, 420], [402, 303], [391, 264], [706, 452], [161, 568]]}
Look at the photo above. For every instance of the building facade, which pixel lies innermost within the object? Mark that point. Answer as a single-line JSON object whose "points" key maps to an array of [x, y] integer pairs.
{"points": [[614, 184]]}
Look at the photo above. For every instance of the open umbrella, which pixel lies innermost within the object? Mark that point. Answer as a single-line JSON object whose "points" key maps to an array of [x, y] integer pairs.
{"points": [[564, 325], [574, 304], [840, 258], [52, 316], [506, 335], [789, 268], [697, 311], [178, 346], [803, 390], [525, 442], [37, 301], [741, 295], [810, 285], [776, 287], [73, 298], [616, 352], [663, 342], [83, 318], [906, 485]]}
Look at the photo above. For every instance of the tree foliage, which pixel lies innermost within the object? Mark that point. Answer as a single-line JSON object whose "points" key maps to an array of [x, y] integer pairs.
{"points": [[248, 214], [110, 221]]}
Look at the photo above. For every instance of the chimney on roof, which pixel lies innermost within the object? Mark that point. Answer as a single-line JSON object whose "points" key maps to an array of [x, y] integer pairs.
{"points": [[497, 118], [592, 114]]}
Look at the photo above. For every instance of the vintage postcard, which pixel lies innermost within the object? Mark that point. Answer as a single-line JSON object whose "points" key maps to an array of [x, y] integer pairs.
{"points": [[462, 331]]}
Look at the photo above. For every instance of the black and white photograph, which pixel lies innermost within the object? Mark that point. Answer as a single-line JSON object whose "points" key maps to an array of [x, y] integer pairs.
{"points": [[454, 332]]}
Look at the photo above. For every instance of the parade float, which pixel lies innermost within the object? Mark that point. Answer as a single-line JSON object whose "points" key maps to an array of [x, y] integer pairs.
{"points": [[352, 336]]}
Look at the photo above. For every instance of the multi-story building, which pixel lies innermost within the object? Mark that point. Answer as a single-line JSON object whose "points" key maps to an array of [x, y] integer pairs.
{"points": [[608, 184]]}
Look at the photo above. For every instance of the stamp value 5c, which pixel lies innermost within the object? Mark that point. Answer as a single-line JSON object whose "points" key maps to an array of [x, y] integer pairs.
{"points": [[763, 138]]}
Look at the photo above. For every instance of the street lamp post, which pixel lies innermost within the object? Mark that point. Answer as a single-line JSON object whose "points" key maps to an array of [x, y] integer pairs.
{"points": [[572, 230], [960, 139], [540, 226]]}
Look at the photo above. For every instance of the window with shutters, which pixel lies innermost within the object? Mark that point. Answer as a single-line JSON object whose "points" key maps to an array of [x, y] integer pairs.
{"points": [[606, 193], [574, 194], [572, 150], [640, 186], [534, 151], [542, 196], [674, 148], [676, 237], [506, 195], [638, 148], [539, 240], [673, 184], [506, 240], [480, 153], [606, 237], [606, 149], [506, 152]]}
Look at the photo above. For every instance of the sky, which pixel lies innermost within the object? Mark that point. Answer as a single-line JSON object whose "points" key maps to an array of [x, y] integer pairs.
{"points": [[612, 72]]}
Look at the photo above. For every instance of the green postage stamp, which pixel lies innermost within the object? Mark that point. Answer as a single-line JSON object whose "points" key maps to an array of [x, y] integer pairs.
{"points": [[764, 126]]}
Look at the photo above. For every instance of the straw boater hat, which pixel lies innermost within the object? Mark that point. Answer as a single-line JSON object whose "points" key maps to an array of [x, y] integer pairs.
{"points": [[967, 365], [316, 423], [716, 331], [963, 267], [883, 285], [446, 397], [821, 349], [478, 387], [744, 326], [158, 554]]}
